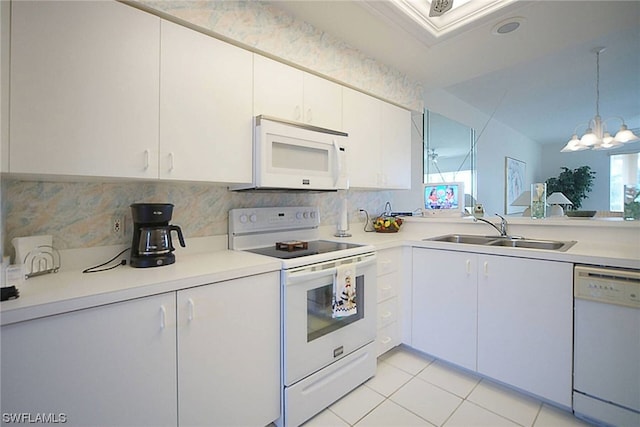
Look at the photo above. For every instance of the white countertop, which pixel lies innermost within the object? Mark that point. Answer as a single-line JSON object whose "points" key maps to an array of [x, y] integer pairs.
{"points": [[72, 290], [611, 246]]}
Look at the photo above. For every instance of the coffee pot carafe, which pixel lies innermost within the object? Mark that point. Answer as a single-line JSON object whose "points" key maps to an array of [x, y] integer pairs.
{"points": [[152, 245]]}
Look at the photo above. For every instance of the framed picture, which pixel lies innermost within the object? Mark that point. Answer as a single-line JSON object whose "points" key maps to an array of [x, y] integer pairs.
{"points": [[514, 184]]}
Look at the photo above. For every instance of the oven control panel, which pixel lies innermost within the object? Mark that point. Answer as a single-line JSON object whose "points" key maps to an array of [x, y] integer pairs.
{"points": [[254, 220]]}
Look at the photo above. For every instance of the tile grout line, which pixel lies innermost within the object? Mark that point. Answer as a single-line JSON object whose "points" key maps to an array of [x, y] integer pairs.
{"points": [[413, 376]]}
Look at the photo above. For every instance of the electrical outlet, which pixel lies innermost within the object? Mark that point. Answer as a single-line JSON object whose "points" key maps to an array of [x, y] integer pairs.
{"points": [[118, 225]]}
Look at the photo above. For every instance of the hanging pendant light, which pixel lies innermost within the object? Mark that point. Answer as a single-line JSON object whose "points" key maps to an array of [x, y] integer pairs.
{"points": [[596, 137]]}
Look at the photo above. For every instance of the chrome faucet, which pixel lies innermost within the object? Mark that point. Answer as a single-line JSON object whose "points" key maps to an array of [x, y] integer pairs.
{"points": [[503, 225]]}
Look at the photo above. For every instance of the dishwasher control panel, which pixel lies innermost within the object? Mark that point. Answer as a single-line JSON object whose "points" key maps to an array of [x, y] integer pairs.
{"points": [[621, 287]]}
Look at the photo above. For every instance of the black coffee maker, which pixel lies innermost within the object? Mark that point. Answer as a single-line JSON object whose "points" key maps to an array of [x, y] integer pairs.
{"points": [[151, 246]]}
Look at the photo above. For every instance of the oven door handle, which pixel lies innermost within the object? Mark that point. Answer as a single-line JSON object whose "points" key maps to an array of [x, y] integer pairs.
{"points": [[305, 274]]}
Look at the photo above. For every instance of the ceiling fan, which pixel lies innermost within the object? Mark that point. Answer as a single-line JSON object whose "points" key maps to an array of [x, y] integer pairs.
{"points": [[439, 7], [432, 155]]}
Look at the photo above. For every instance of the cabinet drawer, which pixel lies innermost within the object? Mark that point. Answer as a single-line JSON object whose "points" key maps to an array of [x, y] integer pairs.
{"points": [[388, 261], [387, 286], [387, 312], [388, 337]]}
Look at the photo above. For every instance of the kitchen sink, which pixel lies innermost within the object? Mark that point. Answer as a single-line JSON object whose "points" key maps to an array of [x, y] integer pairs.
{"points": [[465, 238], [513, 242], [553, 245]]}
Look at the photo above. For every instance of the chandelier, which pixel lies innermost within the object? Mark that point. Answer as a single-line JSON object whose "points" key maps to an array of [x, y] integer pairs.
{"points": [[596, 136]]}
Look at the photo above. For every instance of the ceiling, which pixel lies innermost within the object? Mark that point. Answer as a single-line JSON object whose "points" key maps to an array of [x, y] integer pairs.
{"points": [[539, 80]]}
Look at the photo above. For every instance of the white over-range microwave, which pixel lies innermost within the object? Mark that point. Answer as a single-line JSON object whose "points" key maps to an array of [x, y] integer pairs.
{"points": [[295, 156]]}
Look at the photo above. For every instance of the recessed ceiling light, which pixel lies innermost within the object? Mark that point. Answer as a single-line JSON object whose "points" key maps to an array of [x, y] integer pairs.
{"points": [[507, 26]]}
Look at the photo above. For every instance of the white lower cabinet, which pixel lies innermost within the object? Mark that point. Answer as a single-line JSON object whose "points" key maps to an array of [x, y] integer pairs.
{"points": [[525, 324], [109, 365], [508, 318], [208, 355], [445, 311], [389, 280], [229, 352]]}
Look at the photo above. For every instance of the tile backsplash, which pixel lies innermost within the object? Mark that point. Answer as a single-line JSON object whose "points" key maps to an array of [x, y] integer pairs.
{"points": [[81, 214]]}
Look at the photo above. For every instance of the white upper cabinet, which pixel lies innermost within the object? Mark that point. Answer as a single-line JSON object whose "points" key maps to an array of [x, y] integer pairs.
{"points": [[205, 108], [84, 89], [277, 89], [395, 147], [361, 119], [287, 93], [322, 102], [379, 149]]}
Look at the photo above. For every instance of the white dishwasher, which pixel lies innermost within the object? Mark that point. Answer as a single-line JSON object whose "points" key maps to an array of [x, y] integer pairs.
{"points": [[606, 359]]}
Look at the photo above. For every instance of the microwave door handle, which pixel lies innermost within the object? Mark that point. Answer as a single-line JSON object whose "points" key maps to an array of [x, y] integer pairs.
{"points": [[338, 172]]}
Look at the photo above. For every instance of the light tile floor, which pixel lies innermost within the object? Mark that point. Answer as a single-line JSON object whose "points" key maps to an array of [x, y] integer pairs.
{"points": [[410, 389]]}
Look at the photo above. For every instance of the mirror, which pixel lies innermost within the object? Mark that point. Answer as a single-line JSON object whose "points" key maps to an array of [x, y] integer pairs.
{"points": [[450, 153]]}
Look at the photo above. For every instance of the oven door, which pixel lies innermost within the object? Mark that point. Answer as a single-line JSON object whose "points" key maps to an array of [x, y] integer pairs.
{"points": [[313, 338]]}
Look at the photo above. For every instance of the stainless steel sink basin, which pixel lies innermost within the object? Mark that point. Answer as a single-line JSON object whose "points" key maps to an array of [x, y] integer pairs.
{"points": [[470, 239], [553, 245], [465, 238]]}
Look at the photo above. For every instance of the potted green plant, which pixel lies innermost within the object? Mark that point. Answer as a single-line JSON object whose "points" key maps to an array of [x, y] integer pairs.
{"points": [[631, 202], [573, 183]]}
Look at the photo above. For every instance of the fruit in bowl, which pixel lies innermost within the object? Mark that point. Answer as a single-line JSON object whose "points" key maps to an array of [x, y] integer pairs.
{"points": [[387, 224]]}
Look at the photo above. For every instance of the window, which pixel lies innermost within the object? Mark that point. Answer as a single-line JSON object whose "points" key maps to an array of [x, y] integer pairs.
{"points": [[624, 170]]}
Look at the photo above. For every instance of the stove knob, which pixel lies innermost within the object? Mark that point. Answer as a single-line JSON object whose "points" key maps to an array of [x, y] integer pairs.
{"points": [[306, 215], [298, 215], [312, 214], [243, 218], [253, 218]]}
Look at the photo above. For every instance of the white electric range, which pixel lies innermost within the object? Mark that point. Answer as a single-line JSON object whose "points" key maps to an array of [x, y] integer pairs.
{"points": [[328, 305]]}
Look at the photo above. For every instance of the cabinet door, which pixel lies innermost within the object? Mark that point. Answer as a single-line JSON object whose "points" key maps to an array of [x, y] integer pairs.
{"points": [[361, 120], [278, 89], [205, 108], [84, 89], [525, 324], [111, 365], [229, 352], [395, 148], [322, 102], [444, 312]]}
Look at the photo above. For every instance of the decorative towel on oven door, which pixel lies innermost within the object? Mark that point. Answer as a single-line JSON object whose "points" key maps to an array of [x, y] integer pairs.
{"points": [[344, 291]]}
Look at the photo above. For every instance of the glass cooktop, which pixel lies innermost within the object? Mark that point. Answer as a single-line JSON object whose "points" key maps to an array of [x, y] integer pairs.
{"points": [[314, 247]]}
